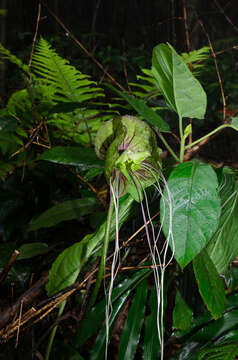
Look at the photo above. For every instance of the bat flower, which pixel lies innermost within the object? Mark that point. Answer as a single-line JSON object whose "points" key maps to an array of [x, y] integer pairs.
{"points": [[128, 146]]}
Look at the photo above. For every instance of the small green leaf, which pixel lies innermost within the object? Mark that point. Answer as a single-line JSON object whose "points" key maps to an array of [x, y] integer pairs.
{"points": [[68, 210], [69, 155], [234, 123], [187, 131], [195, 209], [131, 334], [210, 284], [27, 251], [182, 314]]}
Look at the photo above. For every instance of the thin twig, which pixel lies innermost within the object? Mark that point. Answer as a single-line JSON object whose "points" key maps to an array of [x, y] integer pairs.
{"points": [[217, 69], [35, 37], [9, 265], [45, 307], [19, 324], [185, 17], [227, 17]]}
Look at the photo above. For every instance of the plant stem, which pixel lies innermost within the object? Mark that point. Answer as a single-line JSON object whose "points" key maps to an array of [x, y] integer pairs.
{"points": [[103, 258], [168, 147], [181, 138], [182, 148], [209, 134], [52, 335]]}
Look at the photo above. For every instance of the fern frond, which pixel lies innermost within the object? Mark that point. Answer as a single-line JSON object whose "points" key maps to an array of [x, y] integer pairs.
{"points": [[223, 351], [195, 57], [70, 83], [5, 54]]}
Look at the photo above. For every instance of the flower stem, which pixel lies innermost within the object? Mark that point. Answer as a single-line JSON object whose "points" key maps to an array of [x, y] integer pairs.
{"points": [[103, 259]]}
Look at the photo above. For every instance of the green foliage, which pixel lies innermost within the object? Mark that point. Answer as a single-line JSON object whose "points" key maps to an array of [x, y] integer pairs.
{"points": [[60, 106], [28, 251], [196, 209], [182, 91], [223, 247], [182, 314], [68, 264], [5, 54], [210, 284], [131, 334], [223, 351], [68, 210]]}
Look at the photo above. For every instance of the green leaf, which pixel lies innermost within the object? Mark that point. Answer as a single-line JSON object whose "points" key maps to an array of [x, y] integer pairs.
{"points": [[97, 314], [68, 210], [223, 247], [195, 209], [151, 346], [131, 333], [27, 251], [222, 351], [146, 112], [205, 331], [68, 264], [182, 314], [210, 284], [69, 155], [182, 91], [234, 123]]}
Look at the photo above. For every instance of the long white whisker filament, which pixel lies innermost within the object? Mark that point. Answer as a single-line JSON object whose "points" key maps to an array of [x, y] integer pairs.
{"points": [[169, 240]]}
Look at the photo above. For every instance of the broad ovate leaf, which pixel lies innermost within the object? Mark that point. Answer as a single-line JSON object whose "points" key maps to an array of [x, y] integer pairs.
{"points": [[223, 247], [210, 284], [193, 188], [182, 91]]}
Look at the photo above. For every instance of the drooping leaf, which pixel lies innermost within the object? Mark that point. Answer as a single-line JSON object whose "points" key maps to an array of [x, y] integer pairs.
{"points": [[68, 264], [28, 251], [182, 313], [195, 209], [97, 314], [132, 330], [151, 345], [68, 210], [69, 155], [210, 284], [223, 247], [182, 91], [146, 112]]}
